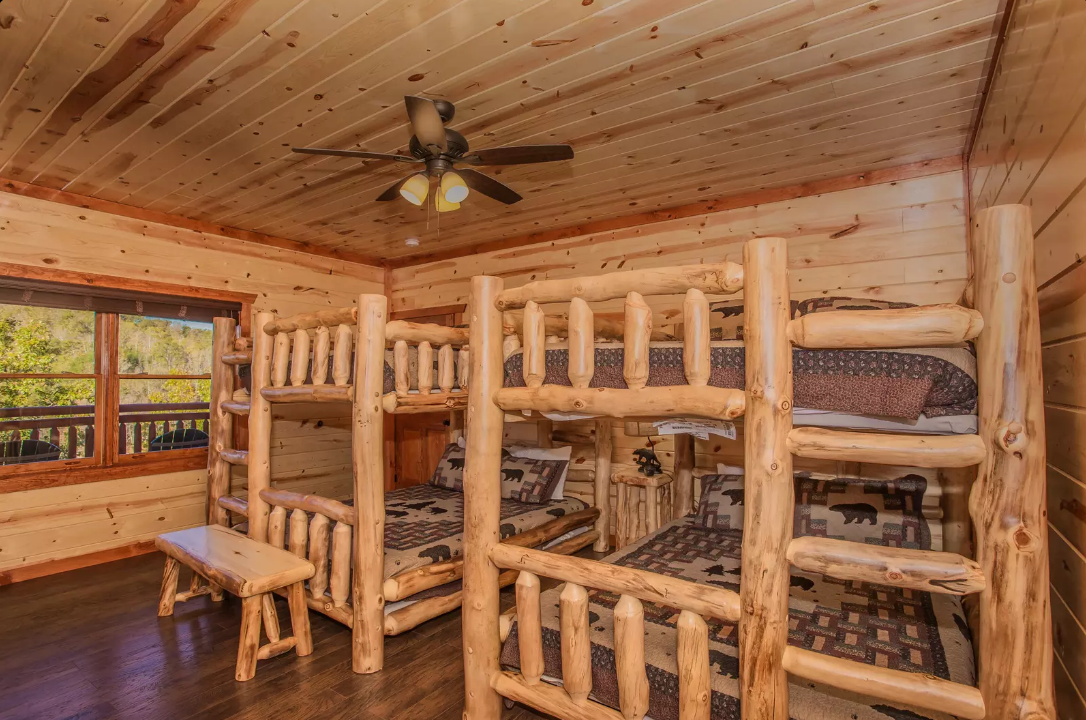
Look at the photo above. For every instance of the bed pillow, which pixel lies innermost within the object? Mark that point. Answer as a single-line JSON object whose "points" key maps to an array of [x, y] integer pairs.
{"points": [[873, 512], [449, 473], [564, 453], [829, 304], [721, 504], [526, 480]]}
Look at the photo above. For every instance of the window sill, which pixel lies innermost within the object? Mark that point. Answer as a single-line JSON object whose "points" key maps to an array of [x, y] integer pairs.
{"points": [[75, 472]]}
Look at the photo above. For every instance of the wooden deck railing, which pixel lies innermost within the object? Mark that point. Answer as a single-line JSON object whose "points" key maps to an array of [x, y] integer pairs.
{"points": [[71, 427]]}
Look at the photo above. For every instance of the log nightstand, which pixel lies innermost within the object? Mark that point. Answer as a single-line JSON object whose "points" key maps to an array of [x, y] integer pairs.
{"points": [[644, 504]]}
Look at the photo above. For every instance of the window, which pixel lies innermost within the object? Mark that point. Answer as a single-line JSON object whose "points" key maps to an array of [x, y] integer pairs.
{"points": [[102, 382]]}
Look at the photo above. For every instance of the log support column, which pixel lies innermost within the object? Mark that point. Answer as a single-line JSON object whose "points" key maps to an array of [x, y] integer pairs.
{"points": [[763, 625], [1007, 502]]}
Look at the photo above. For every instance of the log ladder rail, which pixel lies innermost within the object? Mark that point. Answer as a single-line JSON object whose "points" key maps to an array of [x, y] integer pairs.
{"points": [[229, 352], [1014, 640]]}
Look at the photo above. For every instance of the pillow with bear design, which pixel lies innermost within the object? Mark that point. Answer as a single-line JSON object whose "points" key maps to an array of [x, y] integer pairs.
{"points": [[721, 504], [526, 480], [873, 512]]}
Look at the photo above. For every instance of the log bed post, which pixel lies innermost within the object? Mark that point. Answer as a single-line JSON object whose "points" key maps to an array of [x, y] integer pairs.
{"points": [[482, 501], [763, 625], [1008, 503], [367, 459], [260, 422], [221, 422], [601, 484]]}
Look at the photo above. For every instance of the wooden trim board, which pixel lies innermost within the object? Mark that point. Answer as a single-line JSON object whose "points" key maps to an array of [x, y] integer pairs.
{"points": [[16, 187], [759, 197], [52, 567]]}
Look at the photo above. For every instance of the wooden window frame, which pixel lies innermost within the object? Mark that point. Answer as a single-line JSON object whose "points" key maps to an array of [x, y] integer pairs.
{"points": [[108, 463]]}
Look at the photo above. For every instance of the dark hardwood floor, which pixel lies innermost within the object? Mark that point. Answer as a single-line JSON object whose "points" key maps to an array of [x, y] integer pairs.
{"points": [[87, 644]]}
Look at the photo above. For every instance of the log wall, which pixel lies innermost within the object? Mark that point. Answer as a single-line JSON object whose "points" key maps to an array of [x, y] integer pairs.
{"points": [[313, 449], [1031, 149]]}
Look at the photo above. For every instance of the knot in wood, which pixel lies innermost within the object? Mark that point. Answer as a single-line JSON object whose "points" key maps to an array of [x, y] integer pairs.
{"points": [[894, 575], [1012, 437], [1024, 539], [785, 405]]}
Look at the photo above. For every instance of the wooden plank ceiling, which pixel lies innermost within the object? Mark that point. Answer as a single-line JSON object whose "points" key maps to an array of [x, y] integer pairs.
{"points": [[190, 106]]}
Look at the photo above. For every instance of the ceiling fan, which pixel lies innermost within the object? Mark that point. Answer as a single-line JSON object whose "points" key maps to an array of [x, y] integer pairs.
{"points": [[439, 148]]}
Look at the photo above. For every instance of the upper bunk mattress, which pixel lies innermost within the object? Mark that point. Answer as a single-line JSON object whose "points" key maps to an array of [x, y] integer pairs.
{"points": [[873, 624], [904, 384]]}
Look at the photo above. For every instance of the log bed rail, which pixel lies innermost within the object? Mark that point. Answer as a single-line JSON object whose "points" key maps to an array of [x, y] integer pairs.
{"points": [[1008, 576]]}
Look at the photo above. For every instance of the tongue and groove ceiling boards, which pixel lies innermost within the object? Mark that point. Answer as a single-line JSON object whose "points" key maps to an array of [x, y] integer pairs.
{"points": [[190, 107]]}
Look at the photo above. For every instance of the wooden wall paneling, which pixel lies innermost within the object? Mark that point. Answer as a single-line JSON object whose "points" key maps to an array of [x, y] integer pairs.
{"points": [[672, 98]]}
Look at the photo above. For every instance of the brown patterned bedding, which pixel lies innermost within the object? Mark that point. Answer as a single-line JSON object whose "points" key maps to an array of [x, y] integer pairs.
{"points": [[878, 625], [890, 383]]}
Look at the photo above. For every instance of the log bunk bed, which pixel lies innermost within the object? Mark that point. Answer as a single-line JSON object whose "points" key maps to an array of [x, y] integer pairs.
{"points": [[357, 356], [727, 645]]}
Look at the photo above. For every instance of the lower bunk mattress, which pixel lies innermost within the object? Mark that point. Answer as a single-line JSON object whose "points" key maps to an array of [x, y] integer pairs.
{"points": [[424, 524], [873, 624]]}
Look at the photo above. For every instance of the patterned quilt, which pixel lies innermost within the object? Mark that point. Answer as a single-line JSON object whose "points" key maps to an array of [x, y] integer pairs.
{"points": [[891, 383], [425, 524], [873, 624]]}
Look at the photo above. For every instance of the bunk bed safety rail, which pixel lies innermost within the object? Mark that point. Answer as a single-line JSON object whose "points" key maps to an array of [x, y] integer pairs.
{"points": [[695, 601], [452, 371], [316, 539], [300, 350]]}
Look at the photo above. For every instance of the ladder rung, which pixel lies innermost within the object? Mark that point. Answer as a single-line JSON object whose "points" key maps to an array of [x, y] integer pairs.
{"points": [[675, 400], [925, 691], [239, 357], [926, 570], [309, 393], [236, 407], [235, 457], [928, 451], [234, 504], [906, 327]]}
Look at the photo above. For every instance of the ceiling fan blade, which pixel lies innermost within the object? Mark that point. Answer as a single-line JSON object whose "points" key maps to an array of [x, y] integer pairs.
{"points": [[357, 154], [426, 122], [394, 192], [519, 155], [489, 186]]}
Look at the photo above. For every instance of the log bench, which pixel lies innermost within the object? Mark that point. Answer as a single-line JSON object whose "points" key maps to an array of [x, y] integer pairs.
{"points": [[250, 570]]}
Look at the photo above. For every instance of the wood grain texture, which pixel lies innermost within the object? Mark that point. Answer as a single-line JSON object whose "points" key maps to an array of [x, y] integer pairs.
{"points": [[713, 99]]}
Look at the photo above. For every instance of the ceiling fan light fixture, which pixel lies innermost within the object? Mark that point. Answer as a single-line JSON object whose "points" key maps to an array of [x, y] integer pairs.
{"points": [[453, 188], [415, 189], [444, 205]]}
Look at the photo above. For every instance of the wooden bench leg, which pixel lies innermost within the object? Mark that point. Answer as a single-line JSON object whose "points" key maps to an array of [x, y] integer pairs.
{"points": [[250, 638], [168, 594], [271, 618], [299, 619]]}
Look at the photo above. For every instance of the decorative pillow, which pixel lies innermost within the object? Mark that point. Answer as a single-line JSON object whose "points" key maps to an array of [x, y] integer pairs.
{"points": [[721, 504], [526, 480], [874, 512], [449, 473], [828, 304], [559, 453], [529, 480], [726, 320]]}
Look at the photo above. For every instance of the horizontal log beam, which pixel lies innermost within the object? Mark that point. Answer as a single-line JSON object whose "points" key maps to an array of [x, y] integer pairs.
{"points": [[712, 278], [234, 457], [415, 614], [925, 570], [238, 357], [424, 402], [927, 451], [331, 509], [234, 504], [907, 327], [925, 691], [549, 699], [308, 393], [705, 600], [307, 321], [415, 581], [676, 400], [558, 325], [235, 407], [413, 332]]}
